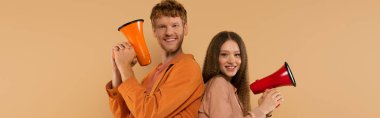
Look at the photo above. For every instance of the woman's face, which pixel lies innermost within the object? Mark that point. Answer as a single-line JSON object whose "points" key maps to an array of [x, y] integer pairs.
{"points": [[229, 58]]}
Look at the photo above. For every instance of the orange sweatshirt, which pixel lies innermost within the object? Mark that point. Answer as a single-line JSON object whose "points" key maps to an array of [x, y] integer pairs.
{"points": [[176, 92]]}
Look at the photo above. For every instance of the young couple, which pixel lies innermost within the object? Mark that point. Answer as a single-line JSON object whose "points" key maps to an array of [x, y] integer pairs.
{"points": [[175, 87]]}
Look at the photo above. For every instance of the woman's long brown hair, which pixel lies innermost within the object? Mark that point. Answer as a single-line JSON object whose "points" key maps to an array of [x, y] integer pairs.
{"points": [[211, 66]]}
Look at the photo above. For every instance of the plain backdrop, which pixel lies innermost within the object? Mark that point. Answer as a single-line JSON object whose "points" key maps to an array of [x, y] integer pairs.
{"points": [[55, 54]]}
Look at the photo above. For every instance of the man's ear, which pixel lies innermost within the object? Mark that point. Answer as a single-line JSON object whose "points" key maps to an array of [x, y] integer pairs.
{"points": [[185, 29], [154, 31]]}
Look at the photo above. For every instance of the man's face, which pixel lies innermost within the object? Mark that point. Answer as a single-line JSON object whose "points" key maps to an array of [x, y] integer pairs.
{"points": [[169, 32]]}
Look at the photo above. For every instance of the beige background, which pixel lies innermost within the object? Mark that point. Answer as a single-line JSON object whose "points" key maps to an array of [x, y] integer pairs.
{"points": [[55, 55]]}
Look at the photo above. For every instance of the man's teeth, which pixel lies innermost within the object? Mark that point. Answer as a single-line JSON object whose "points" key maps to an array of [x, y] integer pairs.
{"points": [[170, 39]]}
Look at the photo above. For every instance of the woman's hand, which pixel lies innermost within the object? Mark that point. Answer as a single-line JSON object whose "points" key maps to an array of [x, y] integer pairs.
{"points": [[270, 99]]}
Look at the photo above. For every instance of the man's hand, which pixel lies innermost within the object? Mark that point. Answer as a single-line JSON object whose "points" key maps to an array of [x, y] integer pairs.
{"points": [[116, 76], [125, 58], [124, 55]]}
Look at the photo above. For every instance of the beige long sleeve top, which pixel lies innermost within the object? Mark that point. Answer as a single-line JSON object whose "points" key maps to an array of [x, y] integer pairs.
{"points": [[221, 101]]}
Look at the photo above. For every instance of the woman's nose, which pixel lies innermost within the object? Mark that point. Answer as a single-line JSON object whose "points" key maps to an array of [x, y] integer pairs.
{"points": [[231, 59]]}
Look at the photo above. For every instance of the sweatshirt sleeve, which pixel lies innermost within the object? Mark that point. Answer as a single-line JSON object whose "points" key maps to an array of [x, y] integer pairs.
{"points": [[179, 95], [257, 113], [219, 102], [117, 104]]}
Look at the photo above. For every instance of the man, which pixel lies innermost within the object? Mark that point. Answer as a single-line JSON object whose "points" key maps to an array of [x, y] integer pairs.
{"points": [[173, 88]]}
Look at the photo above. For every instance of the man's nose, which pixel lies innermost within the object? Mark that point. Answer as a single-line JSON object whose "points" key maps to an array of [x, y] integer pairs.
{"points": [[169, 31]]}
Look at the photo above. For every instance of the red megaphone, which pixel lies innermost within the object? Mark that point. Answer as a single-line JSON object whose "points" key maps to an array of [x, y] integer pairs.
{"points": [[282, 77], [134, 32]]}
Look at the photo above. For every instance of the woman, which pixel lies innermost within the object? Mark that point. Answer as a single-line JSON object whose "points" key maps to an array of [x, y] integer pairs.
{"points": [[226, 77]]}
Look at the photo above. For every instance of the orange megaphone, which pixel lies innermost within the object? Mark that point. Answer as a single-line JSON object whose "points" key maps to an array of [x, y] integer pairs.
{"points": [[134, 32], [282, 77]]}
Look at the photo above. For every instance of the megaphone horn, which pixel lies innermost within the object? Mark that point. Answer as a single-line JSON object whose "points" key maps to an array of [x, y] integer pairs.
{"points": [[134, 32], [282, 77]]}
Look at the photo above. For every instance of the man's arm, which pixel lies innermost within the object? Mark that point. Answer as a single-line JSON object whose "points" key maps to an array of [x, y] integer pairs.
{"points": [[117, 104], [179, 95]]}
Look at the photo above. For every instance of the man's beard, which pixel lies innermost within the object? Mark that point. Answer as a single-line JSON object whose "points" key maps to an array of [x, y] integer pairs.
{"points": [[169, 52]]}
